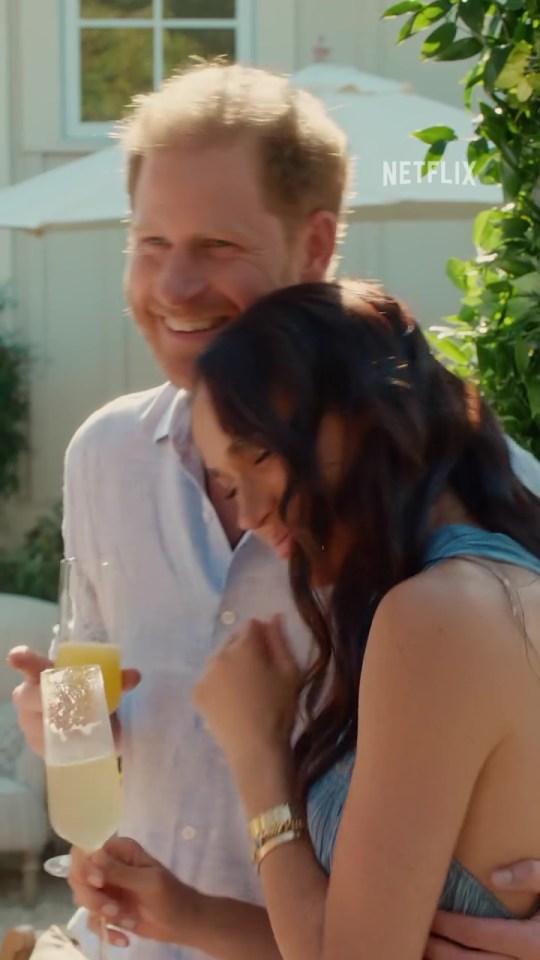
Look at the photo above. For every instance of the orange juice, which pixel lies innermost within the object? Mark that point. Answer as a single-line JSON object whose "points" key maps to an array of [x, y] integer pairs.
{"points": [[78, 653]]}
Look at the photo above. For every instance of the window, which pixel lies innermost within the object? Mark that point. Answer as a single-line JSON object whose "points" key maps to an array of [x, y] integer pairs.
{"points": [[117, 48]]}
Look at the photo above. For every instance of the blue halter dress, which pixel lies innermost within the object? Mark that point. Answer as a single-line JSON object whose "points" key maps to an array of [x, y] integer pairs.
{"points": [[462, 892]]}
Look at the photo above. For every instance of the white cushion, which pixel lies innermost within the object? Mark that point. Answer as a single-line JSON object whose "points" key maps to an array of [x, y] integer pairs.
{"points": [[23, 621], [23, 820], [11, 740]]}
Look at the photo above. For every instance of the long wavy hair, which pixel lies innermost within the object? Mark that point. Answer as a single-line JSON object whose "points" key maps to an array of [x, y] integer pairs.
{"points": [[414, 431]]}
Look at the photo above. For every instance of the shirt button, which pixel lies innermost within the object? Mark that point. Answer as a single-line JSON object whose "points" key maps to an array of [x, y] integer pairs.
{"points": [[228, 617], [188, 833]]}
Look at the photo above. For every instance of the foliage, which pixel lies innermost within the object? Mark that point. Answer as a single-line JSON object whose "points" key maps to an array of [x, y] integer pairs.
{"points": [[495, 338], [118, 62], [13, 407], [32, 569]]}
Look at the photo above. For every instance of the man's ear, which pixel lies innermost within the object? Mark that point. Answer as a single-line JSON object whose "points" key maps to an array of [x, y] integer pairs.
{"points": [[319, 246]]}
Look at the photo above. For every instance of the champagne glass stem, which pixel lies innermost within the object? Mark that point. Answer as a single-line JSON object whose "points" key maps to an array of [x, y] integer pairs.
{"points": [[103, 952]]}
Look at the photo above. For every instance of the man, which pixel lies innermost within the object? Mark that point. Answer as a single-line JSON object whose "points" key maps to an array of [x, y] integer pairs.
{"points": [[237, 184]]}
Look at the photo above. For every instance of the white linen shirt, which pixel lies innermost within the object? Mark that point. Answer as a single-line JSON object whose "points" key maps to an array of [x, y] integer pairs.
{"points": [[164, 584]]}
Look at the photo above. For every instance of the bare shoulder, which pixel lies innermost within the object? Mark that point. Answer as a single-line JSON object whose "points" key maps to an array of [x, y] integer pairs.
{"points": [[455, 610]]}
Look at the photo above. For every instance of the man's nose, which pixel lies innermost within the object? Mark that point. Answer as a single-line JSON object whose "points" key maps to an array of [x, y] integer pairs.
{"points": [[179, 281]]}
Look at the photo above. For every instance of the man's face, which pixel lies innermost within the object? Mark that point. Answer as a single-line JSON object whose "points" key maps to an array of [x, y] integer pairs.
{"points": [[203, 248]]}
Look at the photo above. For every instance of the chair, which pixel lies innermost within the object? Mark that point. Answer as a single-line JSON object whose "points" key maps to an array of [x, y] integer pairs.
{"points": [[24, 824]]}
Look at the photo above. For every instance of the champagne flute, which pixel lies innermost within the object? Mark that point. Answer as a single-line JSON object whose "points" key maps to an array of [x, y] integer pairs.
{"points": [[78, 640], [83, 782]]}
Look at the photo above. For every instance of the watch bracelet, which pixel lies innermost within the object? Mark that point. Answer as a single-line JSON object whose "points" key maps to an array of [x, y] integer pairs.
{"points": [[273, 843]]}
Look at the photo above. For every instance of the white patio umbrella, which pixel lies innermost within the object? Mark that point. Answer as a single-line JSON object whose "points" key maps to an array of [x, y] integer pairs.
{"points": [[379, 117], [89, 190], [325, 78]]}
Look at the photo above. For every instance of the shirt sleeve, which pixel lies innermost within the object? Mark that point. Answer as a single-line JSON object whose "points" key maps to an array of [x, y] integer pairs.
{"points": [[525, 465]]}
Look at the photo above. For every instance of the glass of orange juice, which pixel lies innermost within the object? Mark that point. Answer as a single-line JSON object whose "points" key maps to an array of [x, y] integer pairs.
{"points": [[77, 645]]}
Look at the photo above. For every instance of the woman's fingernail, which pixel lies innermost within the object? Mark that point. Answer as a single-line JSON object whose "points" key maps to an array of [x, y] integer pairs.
{"points": [[127, 923], [110, 910], [502, 878], [95, 879]]}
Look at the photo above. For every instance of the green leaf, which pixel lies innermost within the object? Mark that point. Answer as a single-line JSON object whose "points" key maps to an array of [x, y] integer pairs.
{"points": [[487, 232], [433, 156], [478, 154], [515, 228], [528, 285], [398, 9], [430, 14], [495, 63], [461, 49], [439, 40], [512, 180], [472, 12], [533, 393], [518, 308], [459, 272], [406, 29], [432, 135], [521, 355]]}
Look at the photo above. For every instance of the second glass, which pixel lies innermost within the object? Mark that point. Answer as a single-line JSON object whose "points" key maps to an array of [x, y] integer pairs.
{"points": [[80, 642]]}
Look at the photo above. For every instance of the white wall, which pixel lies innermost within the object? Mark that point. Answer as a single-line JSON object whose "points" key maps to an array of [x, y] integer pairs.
{"points": [[68, 283], [5, 240], [85, 349]]}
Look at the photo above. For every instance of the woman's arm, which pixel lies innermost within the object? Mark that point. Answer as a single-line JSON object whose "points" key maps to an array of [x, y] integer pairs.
{"points": [[433, 697], [430, 716]]}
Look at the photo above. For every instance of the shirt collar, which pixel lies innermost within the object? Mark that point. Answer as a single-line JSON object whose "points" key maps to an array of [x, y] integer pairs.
{"points": [[169, 415]]}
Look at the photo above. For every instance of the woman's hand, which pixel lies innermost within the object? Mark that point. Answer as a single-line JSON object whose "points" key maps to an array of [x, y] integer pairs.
{"points": [[124, 886], [248, 694]]}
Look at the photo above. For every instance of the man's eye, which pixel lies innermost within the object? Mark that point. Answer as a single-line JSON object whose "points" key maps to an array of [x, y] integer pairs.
{"points": [[217, 244], [154, 241], [230, 495]]}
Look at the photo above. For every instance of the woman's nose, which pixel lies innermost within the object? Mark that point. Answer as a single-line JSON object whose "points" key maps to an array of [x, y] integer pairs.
{"points": [[253, 511]]}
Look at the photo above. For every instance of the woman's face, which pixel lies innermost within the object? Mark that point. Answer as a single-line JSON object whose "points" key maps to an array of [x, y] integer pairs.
{"points": [[257, 479]]}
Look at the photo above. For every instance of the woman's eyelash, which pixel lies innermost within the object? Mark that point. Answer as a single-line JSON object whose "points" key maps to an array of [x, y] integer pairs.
{"points": [[262, 456]]}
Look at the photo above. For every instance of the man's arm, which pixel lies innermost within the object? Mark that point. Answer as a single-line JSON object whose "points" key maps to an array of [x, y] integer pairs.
{"points": [[456, 937], [526, 467]]}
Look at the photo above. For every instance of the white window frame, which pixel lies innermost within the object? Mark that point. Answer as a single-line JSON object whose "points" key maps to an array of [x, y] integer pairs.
{"points": [[74, 127]]}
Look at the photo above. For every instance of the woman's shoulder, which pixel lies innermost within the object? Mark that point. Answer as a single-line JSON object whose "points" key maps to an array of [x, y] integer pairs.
{"points": [[455, 609]]}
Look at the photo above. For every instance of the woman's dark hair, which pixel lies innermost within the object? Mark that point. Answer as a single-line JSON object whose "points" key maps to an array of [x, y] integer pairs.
{"points": [[415, 431]]}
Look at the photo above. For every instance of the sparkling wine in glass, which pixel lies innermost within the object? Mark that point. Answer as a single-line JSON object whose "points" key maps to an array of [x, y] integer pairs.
{"points": [[78, 639], [83, 782]]}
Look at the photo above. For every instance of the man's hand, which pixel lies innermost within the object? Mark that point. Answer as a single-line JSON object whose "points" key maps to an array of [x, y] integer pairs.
{"points": [[456, 937], [27, 696]]}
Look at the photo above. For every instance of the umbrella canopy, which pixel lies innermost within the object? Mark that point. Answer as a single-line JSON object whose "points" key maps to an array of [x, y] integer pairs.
{"points": [[322, 79], [378, 116], [86, 191]]}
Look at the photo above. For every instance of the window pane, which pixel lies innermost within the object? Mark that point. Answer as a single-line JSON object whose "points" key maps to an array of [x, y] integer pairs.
{"points": [[119, 9], [115, 65], [181, 44], [190, 9]]}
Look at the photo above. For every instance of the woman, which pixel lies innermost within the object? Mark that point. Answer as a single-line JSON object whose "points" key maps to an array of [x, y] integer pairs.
{"points": [[380, 475]]}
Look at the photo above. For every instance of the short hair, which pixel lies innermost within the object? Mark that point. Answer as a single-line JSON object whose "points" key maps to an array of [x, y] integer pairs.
{"points": [[301, 151]]}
